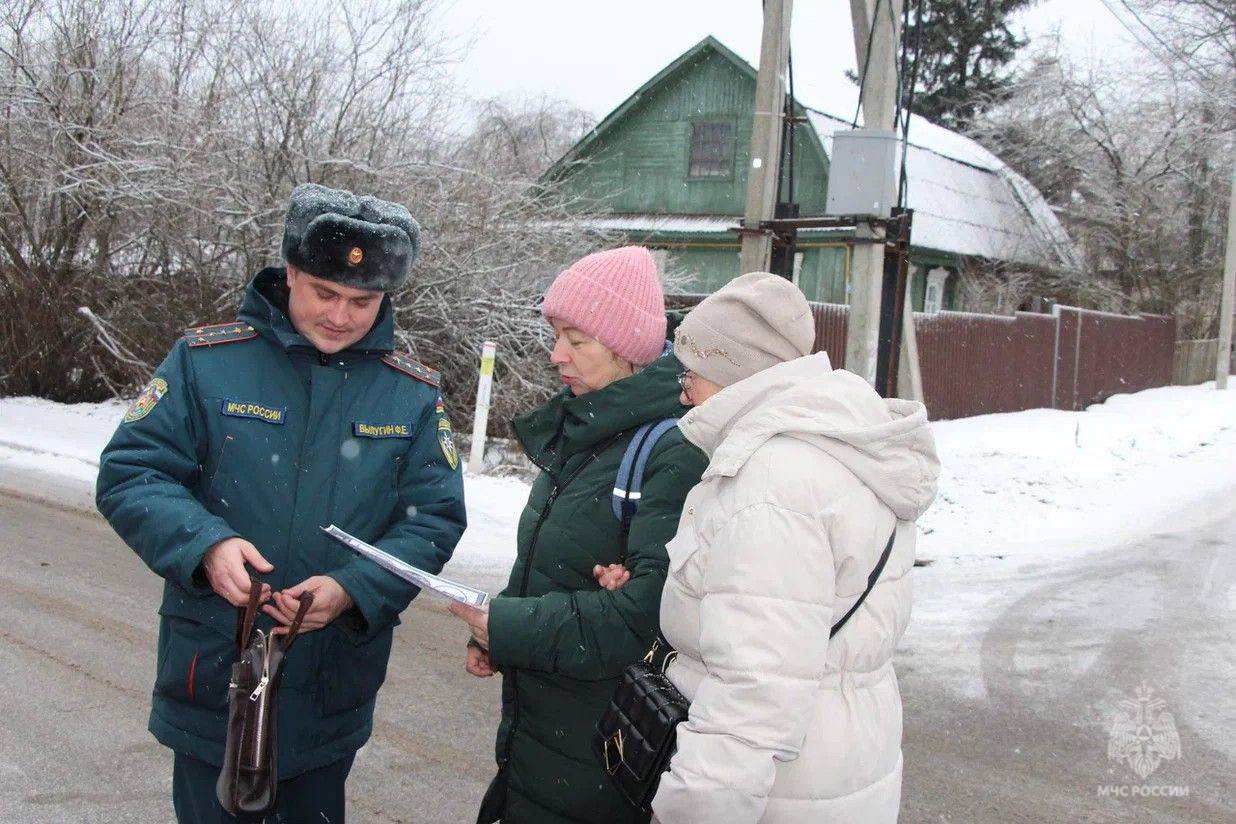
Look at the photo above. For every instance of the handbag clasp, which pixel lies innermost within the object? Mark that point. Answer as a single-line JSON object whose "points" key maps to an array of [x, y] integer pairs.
{"points": [[616, 742]]}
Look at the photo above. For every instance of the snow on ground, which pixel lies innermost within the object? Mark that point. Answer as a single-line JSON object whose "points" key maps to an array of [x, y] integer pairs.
{"points": [[1034, 484], [1045, 482], [54, 439]]}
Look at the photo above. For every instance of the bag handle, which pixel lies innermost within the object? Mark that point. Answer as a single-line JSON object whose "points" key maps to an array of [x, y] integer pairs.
{"points": [[248, 613], [871, 582], [306, 601]]}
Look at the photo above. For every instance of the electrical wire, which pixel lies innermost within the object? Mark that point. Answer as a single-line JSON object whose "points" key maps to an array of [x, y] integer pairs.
{"points": [[789, 108], [903, 179], [862, 78], [899, 68], [898, 122]]}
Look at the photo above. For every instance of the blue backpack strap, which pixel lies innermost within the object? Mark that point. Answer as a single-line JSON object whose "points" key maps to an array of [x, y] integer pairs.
{"points": [[622, 482], [628, 485], [641, 459]]}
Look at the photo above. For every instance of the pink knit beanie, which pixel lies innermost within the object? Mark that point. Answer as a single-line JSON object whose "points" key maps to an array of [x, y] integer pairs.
{"points": [[614, 296]]}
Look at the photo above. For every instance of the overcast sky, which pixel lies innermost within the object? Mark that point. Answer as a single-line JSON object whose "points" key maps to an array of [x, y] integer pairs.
{"points": [[595, 53]]}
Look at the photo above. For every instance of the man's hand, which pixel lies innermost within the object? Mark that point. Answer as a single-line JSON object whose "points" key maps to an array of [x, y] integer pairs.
{"points": [[611, 577], [478, 663], [476, 619], [330, 600], [224, 565]]}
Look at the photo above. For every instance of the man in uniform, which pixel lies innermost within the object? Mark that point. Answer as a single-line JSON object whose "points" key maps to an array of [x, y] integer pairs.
{"points": [[250, 437]]}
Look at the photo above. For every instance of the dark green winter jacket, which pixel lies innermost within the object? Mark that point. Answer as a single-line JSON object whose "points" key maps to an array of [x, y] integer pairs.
{"points": [[261, 436], [561, 640]]}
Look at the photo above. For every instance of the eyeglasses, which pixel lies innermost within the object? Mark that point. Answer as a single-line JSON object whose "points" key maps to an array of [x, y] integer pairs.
{"points": [[684, 380]]}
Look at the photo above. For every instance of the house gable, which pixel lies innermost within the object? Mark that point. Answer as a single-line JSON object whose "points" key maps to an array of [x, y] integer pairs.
{"points": [[637, 160]]}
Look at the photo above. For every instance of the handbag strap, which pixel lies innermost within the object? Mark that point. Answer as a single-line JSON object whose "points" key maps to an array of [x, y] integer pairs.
{"points": [[306, 601], [662, 653], [247, 616], [871, 582]]}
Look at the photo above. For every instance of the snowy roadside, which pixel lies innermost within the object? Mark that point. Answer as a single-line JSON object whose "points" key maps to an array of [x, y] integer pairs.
{"points": [[51, 451], [1027, 485], [1045, 482]]}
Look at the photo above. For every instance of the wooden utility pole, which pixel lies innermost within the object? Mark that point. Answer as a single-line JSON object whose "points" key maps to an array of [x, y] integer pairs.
{"points": [[878, 79], [766, 138], [1223, 363]]}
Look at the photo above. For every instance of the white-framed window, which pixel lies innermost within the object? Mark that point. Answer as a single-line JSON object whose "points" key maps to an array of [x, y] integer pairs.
{"points": [[933, 298], [712, 149]]}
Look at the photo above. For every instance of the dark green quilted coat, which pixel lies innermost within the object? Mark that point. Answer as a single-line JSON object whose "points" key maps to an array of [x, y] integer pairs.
{"points": [[560, 640]]}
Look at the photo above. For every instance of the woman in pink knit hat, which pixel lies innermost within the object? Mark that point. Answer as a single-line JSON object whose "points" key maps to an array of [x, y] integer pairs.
{"points": [[559, 639]]}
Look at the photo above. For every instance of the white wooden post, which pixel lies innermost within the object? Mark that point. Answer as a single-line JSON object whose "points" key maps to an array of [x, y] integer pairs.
{"points": [[484, 387]]}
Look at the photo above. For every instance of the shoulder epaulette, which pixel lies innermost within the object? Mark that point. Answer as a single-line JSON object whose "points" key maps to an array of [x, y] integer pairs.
{"points": [[219, 333], [411, 368]]}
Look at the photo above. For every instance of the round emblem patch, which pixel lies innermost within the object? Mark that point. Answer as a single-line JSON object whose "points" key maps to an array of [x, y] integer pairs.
{"points": [[146, 401], [356, 256]]}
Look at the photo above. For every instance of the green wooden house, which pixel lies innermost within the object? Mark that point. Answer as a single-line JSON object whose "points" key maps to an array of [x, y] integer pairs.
{"points": [[667, 169]]}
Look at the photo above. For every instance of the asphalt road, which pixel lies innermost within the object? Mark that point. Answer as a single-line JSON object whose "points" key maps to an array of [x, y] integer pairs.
{"points": [[77, 653], [1066, 642]]}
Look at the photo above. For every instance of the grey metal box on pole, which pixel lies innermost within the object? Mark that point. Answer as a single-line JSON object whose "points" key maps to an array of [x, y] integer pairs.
{"points": [[862, 173]]}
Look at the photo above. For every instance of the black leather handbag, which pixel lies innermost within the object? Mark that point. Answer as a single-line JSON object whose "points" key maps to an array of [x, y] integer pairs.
{"points": [[250, 776], [637, 734]]}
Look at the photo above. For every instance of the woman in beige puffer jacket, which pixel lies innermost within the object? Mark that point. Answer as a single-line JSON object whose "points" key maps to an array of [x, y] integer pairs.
{"points": [[810, 472]]}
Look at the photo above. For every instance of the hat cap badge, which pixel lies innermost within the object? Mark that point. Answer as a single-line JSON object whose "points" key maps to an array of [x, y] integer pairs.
{"points": [[356, 255]]}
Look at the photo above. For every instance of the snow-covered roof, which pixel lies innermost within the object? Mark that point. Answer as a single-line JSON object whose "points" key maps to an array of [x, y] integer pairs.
{"points": [[967, 201], [660, 223]]}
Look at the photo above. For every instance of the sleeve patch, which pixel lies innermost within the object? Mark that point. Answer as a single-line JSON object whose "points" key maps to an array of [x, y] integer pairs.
{"points": [[447, 441], [146, 401], [404, 364]]}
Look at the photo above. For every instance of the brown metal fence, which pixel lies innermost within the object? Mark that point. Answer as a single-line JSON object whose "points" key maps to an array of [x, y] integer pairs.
{"points": [[978, 364], [831, 324], [1106, 354]]}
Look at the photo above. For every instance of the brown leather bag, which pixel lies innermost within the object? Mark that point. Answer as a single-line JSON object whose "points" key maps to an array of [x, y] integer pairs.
{"points": [[249, 776]]}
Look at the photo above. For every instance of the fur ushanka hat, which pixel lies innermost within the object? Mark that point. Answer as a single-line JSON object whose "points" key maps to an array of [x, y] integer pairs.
{"points": [[361, 242]]}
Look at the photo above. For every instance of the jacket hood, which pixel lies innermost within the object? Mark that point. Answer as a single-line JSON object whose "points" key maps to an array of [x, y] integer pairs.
{"points": [[265, 308], [886, 443]]}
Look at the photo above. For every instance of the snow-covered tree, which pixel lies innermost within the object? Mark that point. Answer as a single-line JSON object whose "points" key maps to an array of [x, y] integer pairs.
{"points": [[1133, 156], [147, 149]]}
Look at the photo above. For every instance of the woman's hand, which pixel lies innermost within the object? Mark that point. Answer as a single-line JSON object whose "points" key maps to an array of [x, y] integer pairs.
{"points": [[611, 577], [478, 663], [476, 619]]}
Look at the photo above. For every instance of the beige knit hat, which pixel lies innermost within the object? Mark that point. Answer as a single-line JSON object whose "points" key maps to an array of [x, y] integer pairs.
{"points": [[753, 322]]}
